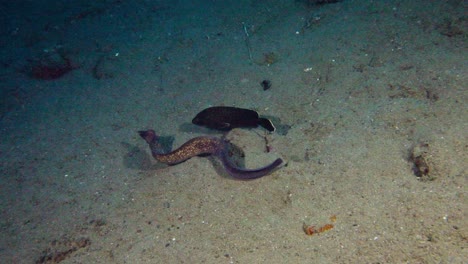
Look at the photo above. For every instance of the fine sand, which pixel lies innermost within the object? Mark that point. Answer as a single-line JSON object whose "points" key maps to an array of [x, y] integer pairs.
{"points": [[369, 99]]}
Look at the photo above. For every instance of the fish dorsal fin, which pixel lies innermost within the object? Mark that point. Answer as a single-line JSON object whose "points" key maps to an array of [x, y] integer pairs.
{"points": [[267, 124]]}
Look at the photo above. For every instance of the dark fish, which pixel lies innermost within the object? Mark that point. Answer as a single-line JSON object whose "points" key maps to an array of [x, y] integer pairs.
{"points": [[227, 118]]}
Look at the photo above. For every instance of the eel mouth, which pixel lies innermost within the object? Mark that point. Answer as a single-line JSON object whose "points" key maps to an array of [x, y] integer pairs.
{"points": [[147, 135]]}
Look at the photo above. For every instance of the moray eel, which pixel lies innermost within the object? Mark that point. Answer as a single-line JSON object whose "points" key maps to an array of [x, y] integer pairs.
{"points": [[204, 145]]}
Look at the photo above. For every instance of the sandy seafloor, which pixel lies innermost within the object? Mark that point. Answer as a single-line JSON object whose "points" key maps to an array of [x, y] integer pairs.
{"points": [[363, 94]]}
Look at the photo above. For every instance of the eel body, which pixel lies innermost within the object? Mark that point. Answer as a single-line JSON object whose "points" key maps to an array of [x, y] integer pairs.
{"points": [[204, 145]]}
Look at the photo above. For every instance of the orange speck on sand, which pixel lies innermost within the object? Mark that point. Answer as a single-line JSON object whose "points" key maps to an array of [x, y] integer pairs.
{"points": [[325, 228], [311, 230]]}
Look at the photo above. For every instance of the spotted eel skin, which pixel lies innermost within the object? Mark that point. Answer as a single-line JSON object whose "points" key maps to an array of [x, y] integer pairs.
{"points": [[204, 145]]}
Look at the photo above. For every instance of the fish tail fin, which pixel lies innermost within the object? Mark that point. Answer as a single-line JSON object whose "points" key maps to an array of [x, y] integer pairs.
{"points": [[267, 124]]}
